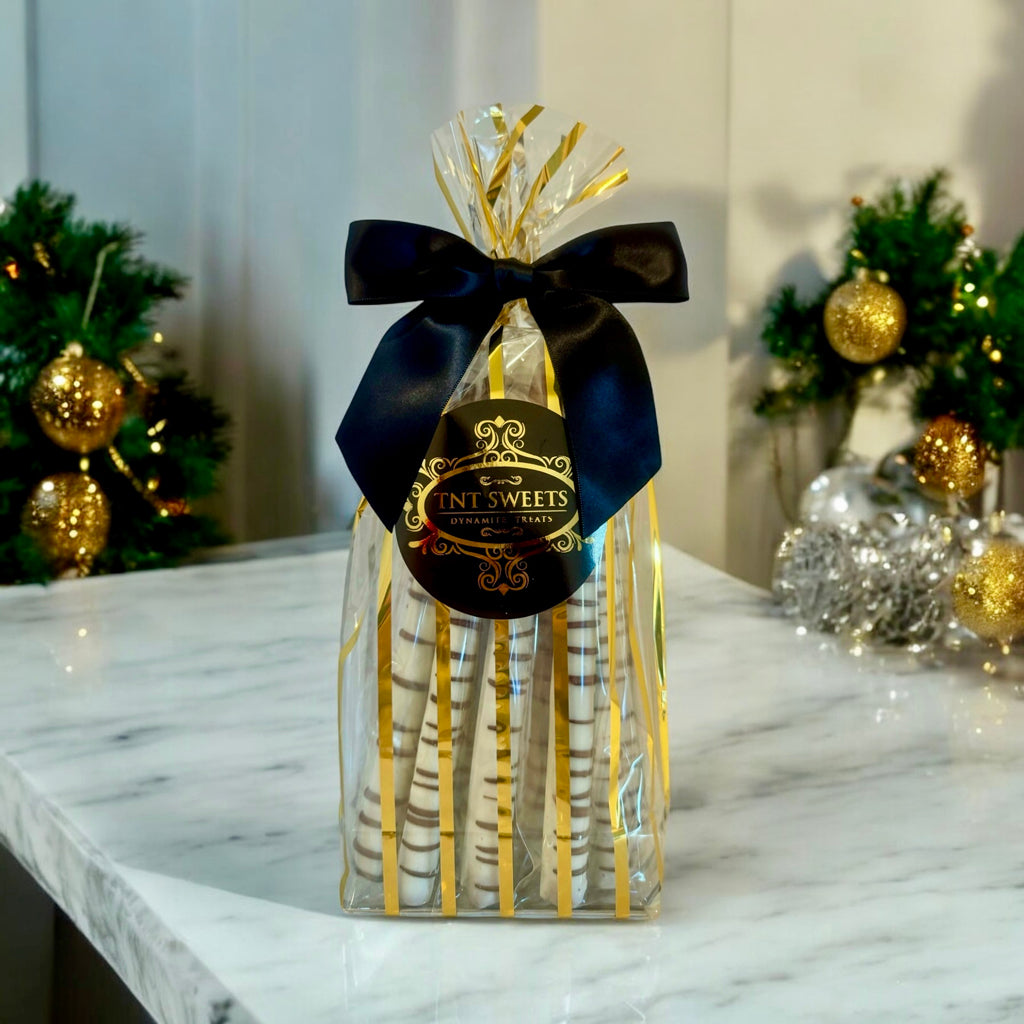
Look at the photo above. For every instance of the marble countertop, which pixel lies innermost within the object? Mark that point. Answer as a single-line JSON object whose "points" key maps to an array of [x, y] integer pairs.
{"points": [[845, 842]]}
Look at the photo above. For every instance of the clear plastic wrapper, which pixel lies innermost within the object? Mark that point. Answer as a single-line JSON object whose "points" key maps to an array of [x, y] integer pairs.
{"points": [[513, 767]]}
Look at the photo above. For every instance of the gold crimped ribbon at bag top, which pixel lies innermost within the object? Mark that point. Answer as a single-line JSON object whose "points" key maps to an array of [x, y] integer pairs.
{"points": [[645, 700], [560, 734], [346, 649], [445, 784], [620, 842], [658, 586], [503, 744], [385, 734]]}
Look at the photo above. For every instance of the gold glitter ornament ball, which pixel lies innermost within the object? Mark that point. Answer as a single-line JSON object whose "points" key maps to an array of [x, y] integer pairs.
{"points": [[79, 402], [865, 320], [68, 516], [949, 458], [988, 592]]}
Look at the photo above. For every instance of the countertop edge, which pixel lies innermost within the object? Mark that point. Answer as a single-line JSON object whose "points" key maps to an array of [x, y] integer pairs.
{"points": [[156, 965]]}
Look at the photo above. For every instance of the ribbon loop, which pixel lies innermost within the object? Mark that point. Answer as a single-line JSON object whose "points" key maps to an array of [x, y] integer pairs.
{"points": [[609, 407]]}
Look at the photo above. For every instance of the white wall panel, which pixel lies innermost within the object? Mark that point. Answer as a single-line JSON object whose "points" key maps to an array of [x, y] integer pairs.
{"points": [[14, 94], [115, 96], [653, 75]]}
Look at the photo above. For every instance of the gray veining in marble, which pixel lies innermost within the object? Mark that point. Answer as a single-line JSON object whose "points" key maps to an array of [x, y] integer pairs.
{"points": [[845, 842]]}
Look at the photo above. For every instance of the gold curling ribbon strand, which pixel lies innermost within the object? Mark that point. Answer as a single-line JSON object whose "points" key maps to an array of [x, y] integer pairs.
{"points": [[496, 366], [638, 661], [498, 119], [551, 166], [135, 373], [445, 785], [452, 205], [360, 509], [595, 186], [598, 187], [620, 842], [560, 706], [503, 741], [478, 185], [619, 150], [385, 734], [554, 403], [166, 508], [501, 168], [346, 650], [658, 585]]}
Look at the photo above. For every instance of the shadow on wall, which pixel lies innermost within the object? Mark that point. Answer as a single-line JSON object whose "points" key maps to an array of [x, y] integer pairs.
{"points": [[776, 460], [994, 148], [686, 350]]}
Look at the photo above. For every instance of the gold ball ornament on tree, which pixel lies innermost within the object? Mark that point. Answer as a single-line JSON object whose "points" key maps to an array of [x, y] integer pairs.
{"points": [[988, 592], [865, 320], [68, 516], [949, 458], [78, 401]]}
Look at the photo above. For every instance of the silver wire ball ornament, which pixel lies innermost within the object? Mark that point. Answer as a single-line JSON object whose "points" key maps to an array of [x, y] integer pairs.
{"points": [[902, 593], [814, 576]]}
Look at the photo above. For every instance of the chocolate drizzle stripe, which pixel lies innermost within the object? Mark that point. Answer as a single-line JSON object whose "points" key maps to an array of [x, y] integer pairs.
{"points": [[417, 874], [408, 684], [364, 852], [428, 848], [366, 874]]}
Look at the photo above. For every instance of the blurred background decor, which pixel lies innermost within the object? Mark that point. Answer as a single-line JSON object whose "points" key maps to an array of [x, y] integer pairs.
{"points": [[104, 444], [917, 305], [241, 137]]}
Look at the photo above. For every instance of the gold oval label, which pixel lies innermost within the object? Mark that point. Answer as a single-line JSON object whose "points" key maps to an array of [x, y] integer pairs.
{"points": [[491, 524]]}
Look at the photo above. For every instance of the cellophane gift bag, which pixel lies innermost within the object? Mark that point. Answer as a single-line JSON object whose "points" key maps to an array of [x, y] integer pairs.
{"points": [[502, 715]]}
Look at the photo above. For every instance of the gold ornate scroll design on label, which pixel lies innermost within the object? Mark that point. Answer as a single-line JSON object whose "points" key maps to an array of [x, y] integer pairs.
{"points": [[499, 461]]}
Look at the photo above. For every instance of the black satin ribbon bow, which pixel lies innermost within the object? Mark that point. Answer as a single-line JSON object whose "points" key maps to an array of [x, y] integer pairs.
{"points": [[600, 369]]}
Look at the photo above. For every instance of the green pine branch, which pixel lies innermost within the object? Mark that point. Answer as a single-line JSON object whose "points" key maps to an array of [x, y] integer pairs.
{"points": [[913, 234]]}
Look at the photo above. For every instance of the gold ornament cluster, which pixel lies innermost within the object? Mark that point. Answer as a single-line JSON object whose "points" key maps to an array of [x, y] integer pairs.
{"points": [[988, 592], [865, 319], [79, 405], [68, 516], [949, 458], [78, 402]]}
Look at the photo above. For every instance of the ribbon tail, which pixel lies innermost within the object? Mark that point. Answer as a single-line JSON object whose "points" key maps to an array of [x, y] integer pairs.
{"points": [[608, 401], [396, 407]]}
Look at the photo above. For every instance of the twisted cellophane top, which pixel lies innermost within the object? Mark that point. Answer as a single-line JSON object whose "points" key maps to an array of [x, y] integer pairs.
{"points": [[514, 175]]}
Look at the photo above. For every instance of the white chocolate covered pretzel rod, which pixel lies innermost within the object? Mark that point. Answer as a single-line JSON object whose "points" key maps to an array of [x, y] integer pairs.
{"points": [[583, 646], [480, 862], [411, 664], [419, 854]]}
